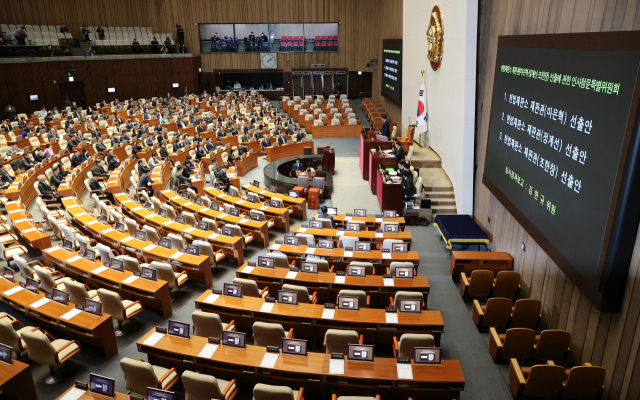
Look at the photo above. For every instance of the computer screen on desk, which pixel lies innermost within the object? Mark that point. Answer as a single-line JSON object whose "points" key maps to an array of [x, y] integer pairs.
{"points": [[389, 213], [93, 307], [118, 265], [403, 272], [363, 246], [266, 262], [353, 227], [6, 354], [232, 290], [234, 339], [360, 212], [313, 224], [102, 385], [356, 270], [348, 303], [31, 285], [90, 255], [391, 228], [400, 248], [60, 296], [165, 243], [293, 194], [141, 235], [332, 211], [291, 240], [325, 243], [149, 273], [286, 297], [360, 352], [410, 306], [257, 217], [427, 355], [157, 394], [8, 274], [308, 267], [162, 212], [179, 329], [193, 250], [294, 347]]}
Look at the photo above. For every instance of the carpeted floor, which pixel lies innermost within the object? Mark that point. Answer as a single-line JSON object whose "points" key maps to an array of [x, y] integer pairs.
{"points": [[460, 339]]}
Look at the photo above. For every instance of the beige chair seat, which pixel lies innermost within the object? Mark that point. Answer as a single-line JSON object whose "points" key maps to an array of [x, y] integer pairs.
{"points": [[60, 284], [131, 310], [160, 371], [94, 295], [8, 238], [21, 331], [67, 350], [181, 278], [15, 251]]}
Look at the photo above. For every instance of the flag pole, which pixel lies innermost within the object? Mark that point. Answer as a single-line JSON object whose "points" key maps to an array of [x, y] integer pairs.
{"points": [[421, 79]]}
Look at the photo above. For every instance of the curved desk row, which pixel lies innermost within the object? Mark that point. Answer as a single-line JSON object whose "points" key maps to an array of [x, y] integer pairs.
{"points": [[308, 321], [27, 230], [371, 220], [289, 150], [298, 204], [327, 286], [444, 381], [373, 236]]}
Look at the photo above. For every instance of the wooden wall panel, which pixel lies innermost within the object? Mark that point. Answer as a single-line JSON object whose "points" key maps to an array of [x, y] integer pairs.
{"points": [[611, 340]]}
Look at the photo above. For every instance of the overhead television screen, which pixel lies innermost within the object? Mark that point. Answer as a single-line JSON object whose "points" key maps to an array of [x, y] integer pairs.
{"points": [[561, 149], [391, 69]]}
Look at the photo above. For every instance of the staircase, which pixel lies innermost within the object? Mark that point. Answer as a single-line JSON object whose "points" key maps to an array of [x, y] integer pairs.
{"points": [[435, 182]]}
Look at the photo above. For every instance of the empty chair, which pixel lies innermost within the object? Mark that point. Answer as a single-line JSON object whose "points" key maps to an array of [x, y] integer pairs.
{"points": [[207, 250], [515, 343], [338, 341], [152, 234], [526, 314], [268, 334], [120, 310], [495, 313], [406, 295], [177, 241], [552, 344], [78, 292], [11, 337], [269, 392], [400, 264], [190, 217], [584, 382], [478, 286], [404, 348], [156, 204], [206, 387], [250, 288], [47, 283], [132, 225], [106, 253], [539, 381], [323, 265], [140, 375], [507, 284], [167, 273], [171, 212], [306, 239], [369, 269], [281, 260], [303, 293], [45, 349], [207, 324], [326, 223], [27, 272], [363, 297], [348, 241], [132, 264]]}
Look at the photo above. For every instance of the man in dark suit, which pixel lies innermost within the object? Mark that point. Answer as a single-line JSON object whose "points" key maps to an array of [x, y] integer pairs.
{"points": [[399, 152], [100, 147], [297, 167], [47, 192], [282, 139], [114, 163], [145, 183], [142, 168], [5, 179], [75, 159], [163, 151], [209, 146], [181, 124], [385, 127], [407, 183], [56, 179], [98, 171], [94, 185], [182, 179], [201, 128], [265, 142], [323, 214]]}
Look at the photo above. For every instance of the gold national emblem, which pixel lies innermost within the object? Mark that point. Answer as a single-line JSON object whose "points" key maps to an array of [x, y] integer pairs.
{"points": [[435, 36]]}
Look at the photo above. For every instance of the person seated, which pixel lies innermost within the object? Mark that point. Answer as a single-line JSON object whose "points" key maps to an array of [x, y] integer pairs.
{"points": [[163, 151], [38, 155], [94, 185], [98, 171], [5, 179], [209, 145], [183, 177], [323, 214], [56, 179], [407, 183], [297, 167], [48, 193], [201, 152]]}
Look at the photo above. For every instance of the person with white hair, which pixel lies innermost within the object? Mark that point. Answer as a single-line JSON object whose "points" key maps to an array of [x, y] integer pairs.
{"points": [[47, 192]]}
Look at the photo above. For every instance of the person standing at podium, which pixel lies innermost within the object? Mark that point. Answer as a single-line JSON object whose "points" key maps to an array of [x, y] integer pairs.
{"points": [[384, 131], [297, 167]]}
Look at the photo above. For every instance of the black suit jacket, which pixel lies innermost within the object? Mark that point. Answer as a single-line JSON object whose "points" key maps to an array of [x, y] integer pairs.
{"points": [[44, 188], [55, 180], [400, 153], [145, 182], [5, 177], [282, 140], [113, 164], [385, 129]]}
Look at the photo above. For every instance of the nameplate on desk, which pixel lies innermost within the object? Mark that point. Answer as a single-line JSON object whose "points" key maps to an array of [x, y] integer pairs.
{"points": [[161, 329], [211, 298], [67, 198], [81, 385], [251, 264], [214, 340], [217, 291]]}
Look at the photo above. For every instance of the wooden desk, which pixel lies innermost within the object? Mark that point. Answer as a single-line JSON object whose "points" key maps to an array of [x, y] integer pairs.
{"points": [[288, 150], [231, 247], [84, 327], [375, 161], [75, 185], [390, 195], [197, 268], [16, 382], [469, 261], [373, 236], [328, 158], [119, 177], [28, 231], [181, 155], [324, 284], [444, 381], [247, 163], [366, 145], [336, 131], [298, 205], [91, 396], [371, 220], [280, 215], [154, 295], [309, 324]]}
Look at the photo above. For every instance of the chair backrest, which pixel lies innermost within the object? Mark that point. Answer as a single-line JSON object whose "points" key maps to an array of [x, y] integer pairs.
{"points": [[360, 294], [138, 375], [303, 292], [270, 392], [507, 284], [268, 334], [177, 241], [205, 248], [497, 312], [47, 284], [77, 292], [249, 287], [518, 343], [406, 295], [165, 273], [553, 344], [481, 284], [111, 304], [206, 324], [130, 263], [152, 233], [584, 382], [281, 260], [307, 239], [338, 340], [544, 381], [40, 349], [105, 253], [25, 269], [8, 335], [347, 241], [156, 204], [323, 265], [399, 264], [200, 386], [368, 266], [132, 225], [526, 313], [409, 341]]}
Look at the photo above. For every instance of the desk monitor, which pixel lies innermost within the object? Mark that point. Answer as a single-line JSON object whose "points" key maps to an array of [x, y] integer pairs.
{"points": [[353, 227], [363, 246], [359, 212], [235, 339], [232, 290], [193, 249], [165, 243], [308, 267], [6, 354], [185, 195], [313, 224], [8, 274], [257, 217], [273, 189], [360, 352], [149, 273], [274, 203], [157, 394], [332, 210], [90, 255], [291, 240], [60, 296], [286, 297], [389, 214], [102, 385], [148, 206], [181, 219], [295, 347], [67, 245], [404, 272], [31, 285], [162, 212], [179, 329], [427, 355], [293, 194], [93, 307], [118, 265], [234, 211], [119, 226], [227, 231], [141, 235], [266, 262], [203, 225], [252, 199], [103, 220], [410, 306], [348, 303], [256, 184], [198, 200], [400, 248], [325, 243], [356, 270], [391, 228], [136, 198]]}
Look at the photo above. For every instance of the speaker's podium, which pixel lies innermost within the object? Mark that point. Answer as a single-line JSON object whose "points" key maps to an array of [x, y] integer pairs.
{"points": [[328, 158]]}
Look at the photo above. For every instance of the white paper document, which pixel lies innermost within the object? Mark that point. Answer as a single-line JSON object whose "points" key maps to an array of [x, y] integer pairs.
{"points": [[339, 233], [137, 208], [267, 307], [291, 275], [95, 221], [262, 192], [269, 360], [378, 220], [81, 214], [340, 279], [21, 220], [388, 282], [39, 303], [336, 367], [127, 239], [302, 230], [188, 203], [391, 318], [29, 230], [176, 255], [348, 254], [405, 371], [205, 209], [99, 270], [190, 229], [154, 338], [222, 215], [73, 259], [70, 314], [243, 221], [151, 215], [169, 222], [263, 208], [328, 313], [107, 230], [150, 247], [212, 298], [52, 249], [73, 394], [13, 290], [248, 269], [310, 250], [386, 256], [214, 235], [208, 350], [347, 218], [379, 234], [130, 279], [275, 246]]}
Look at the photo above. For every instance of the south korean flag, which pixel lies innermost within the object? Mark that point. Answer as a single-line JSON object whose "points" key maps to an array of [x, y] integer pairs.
{"points": [[422, 121]]}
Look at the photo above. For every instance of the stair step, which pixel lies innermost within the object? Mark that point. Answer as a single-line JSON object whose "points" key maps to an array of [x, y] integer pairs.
{"points": [[443, 202], [438, 189], [438, 195], [444, 209]]}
